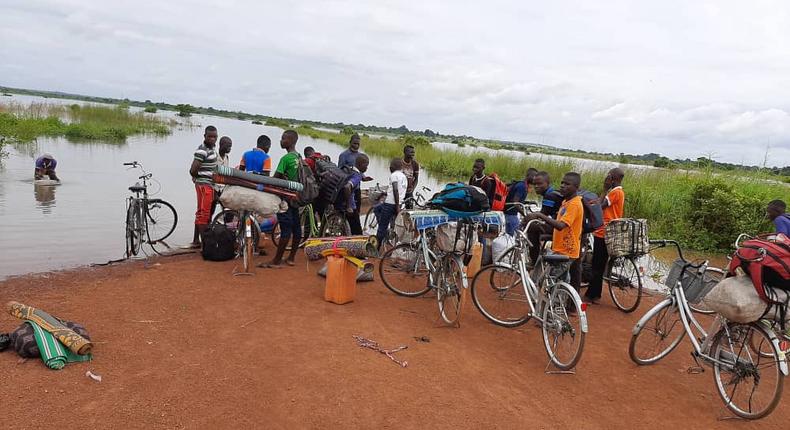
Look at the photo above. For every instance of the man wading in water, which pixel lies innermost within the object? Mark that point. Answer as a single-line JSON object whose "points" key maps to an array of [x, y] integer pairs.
{"points": [[202, 169]]}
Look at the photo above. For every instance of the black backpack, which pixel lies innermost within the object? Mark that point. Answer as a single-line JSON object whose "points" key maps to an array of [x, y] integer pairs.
{"points": [[218, 243], [331, 180], [460, 200], [593, 212]]}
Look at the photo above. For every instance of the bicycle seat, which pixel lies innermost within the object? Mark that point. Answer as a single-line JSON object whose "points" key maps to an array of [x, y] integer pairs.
{"points": [[555, 258], [137, 188]]}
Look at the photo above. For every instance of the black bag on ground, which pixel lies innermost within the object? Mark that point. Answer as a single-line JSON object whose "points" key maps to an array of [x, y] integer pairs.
{"points": [[5, 341], [24, 340], [218, 243]]}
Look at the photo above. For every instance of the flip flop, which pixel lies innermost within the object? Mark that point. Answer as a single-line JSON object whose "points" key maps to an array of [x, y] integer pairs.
{"points": [[290, 263], [270, 266]]}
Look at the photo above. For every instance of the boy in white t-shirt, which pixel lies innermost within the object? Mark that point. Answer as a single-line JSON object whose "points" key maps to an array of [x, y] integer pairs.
{"points": [[387, 211]]}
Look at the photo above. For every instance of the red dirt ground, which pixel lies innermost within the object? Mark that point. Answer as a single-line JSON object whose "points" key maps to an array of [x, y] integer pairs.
{"points": [[184, 344]]}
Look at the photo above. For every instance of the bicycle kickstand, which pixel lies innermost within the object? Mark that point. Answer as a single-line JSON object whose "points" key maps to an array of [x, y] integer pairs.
{"points": [[695, 370], [557, 371]]}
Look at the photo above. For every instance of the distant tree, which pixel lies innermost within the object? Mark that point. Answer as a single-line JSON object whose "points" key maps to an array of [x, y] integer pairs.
{"points": [[663, 162], [402, 129], [185, 110], [150, 109], [428, 132], [347, 130]]}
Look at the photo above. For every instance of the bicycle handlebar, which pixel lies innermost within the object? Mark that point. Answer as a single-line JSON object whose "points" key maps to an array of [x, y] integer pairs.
{"points": [[133, 164]]}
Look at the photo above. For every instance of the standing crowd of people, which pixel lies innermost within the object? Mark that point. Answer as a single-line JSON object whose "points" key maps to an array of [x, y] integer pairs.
{"points": [[562, 209]]}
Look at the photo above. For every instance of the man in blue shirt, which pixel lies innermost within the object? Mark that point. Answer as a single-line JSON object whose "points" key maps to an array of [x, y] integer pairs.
{"points": [[348, 158], [45, 166], [258, 160], [776, 213], [550, 205], [517, 192]]}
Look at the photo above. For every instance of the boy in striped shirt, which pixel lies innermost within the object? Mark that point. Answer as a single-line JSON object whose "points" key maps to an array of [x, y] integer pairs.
{"points": [[203, 165]]}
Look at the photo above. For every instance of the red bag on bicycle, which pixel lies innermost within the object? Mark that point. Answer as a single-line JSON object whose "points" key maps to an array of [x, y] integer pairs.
{"points": [[766, 259]]}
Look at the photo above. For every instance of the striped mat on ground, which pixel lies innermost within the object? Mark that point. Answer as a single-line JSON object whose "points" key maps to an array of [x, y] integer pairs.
{"points": [[53, 353], [259, 179], [355, 246], [69, 338]]}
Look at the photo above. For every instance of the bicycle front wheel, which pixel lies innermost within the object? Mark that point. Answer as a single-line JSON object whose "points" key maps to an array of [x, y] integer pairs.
{"points": [[564, 326], [625, 283], [749, 383], [335, 226], [657, 334], [451, 286], [371, 224], [404, 271], [134, 230], [161, 218], [498, 293]]}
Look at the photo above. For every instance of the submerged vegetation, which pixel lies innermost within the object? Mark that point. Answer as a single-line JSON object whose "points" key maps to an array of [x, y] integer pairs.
{"points": [[703, 210], [23, 123]]}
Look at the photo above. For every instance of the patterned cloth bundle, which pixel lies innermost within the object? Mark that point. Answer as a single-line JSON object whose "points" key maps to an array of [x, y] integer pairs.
{"points": [[259, 179], [354, 246], [68, 337]]}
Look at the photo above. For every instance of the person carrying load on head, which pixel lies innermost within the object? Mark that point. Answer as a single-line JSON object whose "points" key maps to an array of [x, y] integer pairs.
{"points": [[257, 160], [45, 166], [204, 163], [388, 210], [411, 169], [517, 192], [567, 237], [612, 203], [775, 212], [481, 180]]}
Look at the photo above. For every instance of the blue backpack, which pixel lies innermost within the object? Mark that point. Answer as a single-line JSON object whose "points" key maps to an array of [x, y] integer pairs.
{"points": [[593, 212], [460, 200]]}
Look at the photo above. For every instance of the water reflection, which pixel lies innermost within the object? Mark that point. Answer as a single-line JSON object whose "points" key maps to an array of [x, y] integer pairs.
{"points": [[45, 196]]}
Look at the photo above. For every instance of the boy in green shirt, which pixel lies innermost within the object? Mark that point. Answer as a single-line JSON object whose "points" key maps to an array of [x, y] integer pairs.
{"points": [[288, 168]]}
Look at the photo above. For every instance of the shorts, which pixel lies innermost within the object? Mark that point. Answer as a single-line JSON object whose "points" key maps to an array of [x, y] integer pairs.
{"points": [[205, 200], [289, 223]]}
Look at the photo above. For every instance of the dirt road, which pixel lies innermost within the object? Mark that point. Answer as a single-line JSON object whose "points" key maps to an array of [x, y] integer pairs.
{"points": [[184, 344]]}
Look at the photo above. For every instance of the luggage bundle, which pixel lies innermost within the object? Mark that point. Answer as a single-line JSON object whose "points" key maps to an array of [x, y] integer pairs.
{"points": [[456, 237], [627, 236], [241, 198], [331, 180], [758, 283], [460, 200], [219, 243]]}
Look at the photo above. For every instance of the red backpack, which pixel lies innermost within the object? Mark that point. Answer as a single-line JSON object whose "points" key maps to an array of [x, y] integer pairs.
{"points": [[500, 193], [766, 258]]}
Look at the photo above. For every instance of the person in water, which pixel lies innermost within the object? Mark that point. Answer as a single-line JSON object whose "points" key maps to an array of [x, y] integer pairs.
{"points": [[45, 166]]}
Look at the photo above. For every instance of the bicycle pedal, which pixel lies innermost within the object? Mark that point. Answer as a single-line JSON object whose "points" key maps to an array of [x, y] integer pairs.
{"points": [[695, 370]]}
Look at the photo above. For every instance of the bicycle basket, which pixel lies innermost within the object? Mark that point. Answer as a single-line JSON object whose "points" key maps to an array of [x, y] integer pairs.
{"points": [[695, 286], [376, 193]]}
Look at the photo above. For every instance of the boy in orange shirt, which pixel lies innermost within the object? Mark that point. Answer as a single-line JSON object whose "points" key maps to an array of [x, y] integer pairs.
{"points": [[567, 236], [612, 204]]}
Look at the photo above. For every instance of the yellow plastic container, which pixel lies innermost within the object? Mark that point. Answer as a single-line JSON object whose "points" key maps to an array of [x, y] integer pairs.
{"points": [[475, 261], [341, 280]]}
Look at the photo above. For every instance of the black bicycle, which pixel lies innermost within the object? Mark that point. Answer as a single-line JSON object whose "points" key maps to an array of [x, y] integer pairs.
{"points": [[148, 221]]}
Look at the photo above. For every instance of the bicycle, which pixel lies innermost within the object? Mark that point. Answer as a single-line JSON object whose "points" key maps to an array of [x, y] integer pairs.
{"points": [[412, 269], [418, 201], [737, 352], [508, 295], [148, 220], [332, 224]]}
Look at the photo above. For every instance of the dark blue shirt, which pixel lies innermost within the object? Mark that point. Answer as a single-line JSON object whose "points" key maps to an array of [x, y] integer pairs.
{"points": [[347, 159], [516, 193], [552, 201], [782, 223]]}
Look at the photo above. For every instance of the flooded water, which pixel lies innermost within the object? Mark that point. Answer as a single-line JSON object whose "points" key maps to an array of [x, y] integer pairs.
{"points": [[82, 220]]}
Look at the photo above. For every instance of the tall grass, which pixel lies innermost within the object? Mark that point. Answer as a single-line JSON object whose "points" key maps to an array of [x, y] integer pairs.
{"points": [[23, 123], [701, 209]]}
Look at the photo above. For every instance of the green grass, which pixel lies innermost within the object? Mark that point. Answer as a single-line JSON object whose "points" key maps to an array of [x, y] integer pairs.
{"points": [[24, 123], [701, 209]]}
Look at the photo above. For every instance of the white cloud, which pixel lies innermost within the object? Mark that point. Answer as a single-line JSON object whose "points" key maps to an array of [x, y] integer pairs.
{"points": [[679, 78]]}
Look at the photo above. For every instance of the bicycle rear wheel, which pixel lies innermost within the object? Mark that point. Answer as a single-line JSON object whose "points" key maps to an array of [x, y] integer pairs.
{"points": [[658, 333], [335, 225], [161, 219], [749, 383], [451, 284], [625, 283], [134, 231], [498, 293], [564, 326], [371, 223], [403, 270]]}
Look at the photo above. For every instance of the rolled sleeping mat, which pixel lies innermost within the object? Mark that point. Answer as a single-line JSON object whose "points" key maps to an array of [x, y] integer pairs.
{"points": [[259, 179], [271, 189], [68, 337], [353, 246]]}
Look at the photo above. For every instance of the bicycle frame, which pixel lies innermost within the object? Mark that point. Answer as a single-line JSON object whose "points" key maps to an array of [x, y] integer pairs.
{"points": [[702, 344]]}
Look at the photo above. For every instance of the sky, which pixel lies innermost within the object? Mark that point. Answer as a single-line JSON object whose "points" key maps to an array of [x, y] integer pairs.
{"points": [[684, 79]]}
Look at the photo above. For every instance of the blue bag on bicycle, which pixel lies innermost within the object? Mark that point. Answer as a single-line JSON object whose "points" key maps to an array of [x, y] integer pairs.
{"points": [[460, 200]]}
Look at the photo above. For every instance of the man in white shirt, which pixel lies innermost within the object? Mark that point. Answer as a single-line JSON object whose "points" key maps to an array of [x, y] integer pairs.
{"points": [[387, 211]]}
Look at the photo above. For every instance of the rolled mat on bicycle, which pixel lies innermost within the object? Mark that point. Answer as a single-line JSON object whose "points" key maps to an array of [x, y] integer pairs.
{"points": [[354, 246], [271, 189], [259, 179], [68, 337]]}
